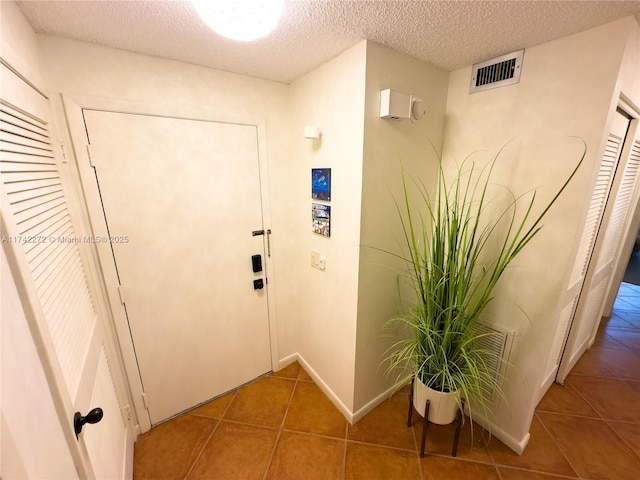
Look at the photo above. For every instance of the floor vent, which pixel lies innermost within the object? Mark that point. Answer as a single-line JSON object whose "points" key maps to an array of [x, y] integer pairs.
{"points": [[497, 72]]}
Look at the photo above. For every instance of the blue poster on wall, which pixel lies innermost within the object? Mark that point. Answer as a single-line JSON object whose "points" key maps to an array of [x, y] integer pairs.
{"points": [[321, 184]]}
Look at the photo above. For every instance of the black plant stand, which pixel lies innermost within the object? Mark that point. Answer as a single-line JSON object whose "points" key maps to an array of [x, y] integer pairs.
{"points": [[426, 422]]}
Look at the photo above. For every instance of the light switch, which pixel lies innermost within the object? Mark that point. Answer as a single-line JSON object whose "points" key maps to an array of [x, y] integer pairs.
{"points": [[317, 260]]}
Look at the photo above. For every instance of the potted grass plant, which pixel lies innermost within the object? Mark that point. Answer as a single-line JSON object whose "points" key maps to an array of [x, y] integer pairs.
{"points": [[458, 244]]}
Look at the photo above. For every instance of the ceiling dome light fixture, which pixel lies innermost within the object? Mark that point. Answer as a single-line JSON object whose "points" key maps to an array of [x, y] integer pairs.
{"points": [[242, 20]]}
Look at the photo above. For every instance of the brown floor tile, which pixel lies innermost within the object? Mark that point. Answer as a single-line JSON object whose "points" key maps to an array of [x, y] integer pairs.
{"points": [[513, 474], [629, 338], [630, 433], [593, 362], [626, 301], [303, 375], [385, 425], [261, 403], [630, 313], [441, 468], [612, 398], [632, 317], [368, 462], [290, 371], [215, 408], [565, 399], [605, 341], [542, 454], [309, 457], [168, 450], [634, 385], [592, 447], [622, 363], [472, 444], [615, 322], [235, 451], [311, 411]]}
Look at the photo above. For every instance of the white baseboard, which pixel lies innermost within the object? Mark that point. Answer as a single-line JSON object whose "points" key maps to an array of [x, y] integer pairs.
{"points": [[288, 360], [352, 417], [321, 383], [373, 404], [517, 445]]}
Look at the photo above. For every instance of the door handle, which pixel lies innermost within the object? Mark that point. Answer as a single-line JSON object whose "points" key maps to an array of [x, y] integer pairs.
{"points": [[255, 233], [94, 416]]}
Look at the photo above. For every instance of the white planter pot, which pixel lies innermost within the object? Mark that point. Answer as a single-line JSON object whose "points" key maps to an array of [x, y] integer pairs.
{"points": [[443, 407]]}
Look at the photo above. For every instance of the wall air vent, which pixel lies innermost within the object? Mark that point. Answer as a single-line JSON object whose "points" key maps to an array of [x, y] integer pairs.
{"points": [[494, 346], [497, 72]]}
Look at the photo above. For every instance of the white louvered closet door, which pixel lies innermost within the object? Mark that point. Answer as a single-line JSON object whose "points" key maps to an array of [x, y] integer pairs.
{"points": [[45, 254], [600, 243]]}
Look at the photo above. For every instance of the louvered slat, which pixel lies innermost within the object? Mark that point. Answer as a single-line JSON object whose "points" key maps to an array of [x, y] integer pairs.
{"points": [[31, 204], [17, 125], [38, 236], [10, 168], [598, 199], [38, 220], [35, 251], [620, 209], [16, 182], [11, 143], [31, 159], [51, 271], [35, 192], [38, 206]]}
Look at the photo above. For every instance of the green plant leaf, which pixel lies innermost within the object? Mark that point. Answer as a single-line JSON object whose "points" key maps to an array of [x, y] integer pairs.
{"points": [[456, 250]]}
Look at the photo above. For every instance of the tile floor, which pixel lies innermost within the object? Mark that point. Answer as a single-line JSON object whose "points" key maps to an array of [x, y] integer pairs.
{"points": [[283, 427]]}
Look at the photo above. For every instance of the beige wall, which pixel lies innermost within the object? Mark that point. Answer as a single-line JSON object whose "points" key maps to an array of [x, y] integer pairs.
{"points": [[387, 142], [629, 79], [320, 319], [566, 90], [19, 44]]}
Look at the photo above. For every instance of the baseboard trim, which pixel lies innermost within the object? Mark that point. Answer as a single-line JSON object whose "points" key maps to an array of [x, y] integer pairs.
{"points": [[321, 383], [517, 445], [373, 404], [286, 361]]}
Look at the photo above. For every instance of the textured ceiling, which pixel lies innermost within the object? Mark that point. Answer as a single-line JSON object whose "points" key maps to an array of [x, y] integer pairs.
{"points": [[448, 34]]}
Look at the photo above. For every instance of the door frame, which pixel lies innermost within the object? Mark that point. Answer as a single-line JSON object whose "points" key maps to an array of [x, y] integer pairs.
{"points": [[72, 107]]}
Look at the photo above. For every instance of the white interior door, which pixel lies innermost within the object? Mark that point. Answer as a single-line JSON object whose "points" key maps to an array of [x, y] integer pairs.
{"points": [[602, 234], [181, 199], [48, 262]]}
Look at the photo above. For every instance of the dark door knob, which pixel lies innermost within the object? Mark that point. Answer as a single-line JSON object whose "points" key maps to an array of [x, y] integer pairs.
{"points": [[94, 416]]}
